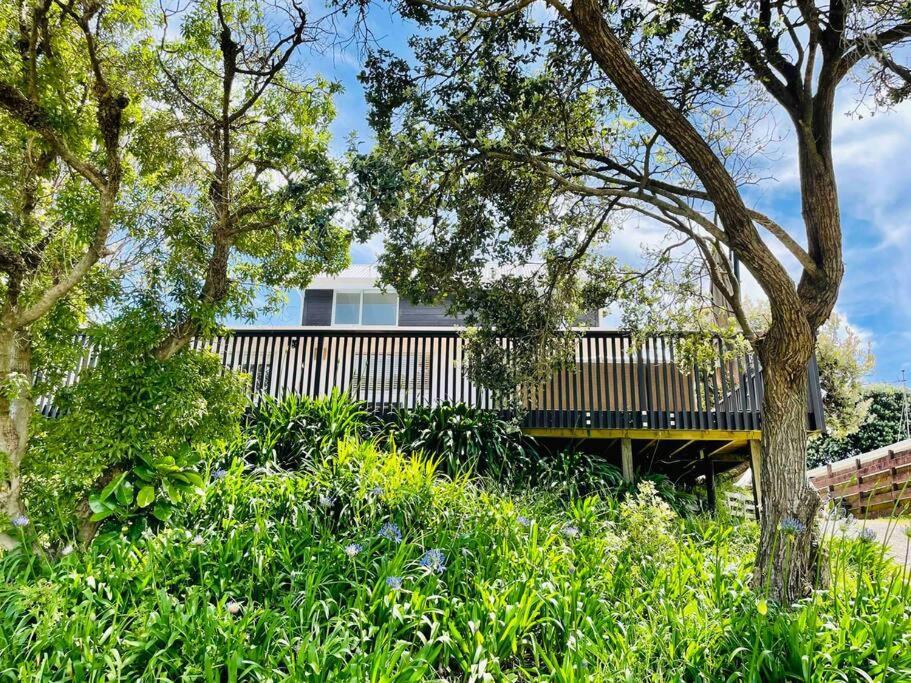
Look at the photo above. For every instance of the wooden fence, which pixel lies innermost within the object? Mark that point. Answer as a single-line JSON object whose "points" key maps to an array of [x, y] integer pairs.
{"points": [[874, 484]]}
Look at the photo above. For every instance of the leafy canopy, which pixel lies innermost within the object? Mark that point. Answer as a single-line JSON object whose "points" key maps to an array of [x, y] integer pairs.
{"points": [[505, 163], [251, 191]]}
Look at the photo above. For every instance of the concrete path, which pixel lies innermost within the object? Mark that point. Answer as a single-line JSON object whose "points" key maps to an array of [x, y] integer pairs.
{"points": [[891, 533]]}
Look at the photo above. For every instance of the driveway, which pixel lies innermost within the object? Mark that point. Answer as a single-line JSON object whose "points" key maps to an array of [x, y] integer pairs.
{"points": [[891, 533]]}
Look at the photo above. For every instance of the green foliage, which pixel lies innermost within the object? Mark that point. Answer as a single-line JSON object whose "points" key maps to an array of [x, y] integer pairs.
{"points": [[844, 358], [299, 576], [881, 427], [573, 473], [464, 439], [247, 187], [133, 429], [49, 213], [293, 432]]}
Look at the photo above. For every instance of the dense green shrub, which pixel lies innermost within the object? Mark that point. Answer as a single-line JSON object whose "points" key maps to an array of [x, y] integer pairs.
{"points": [[132, 432], [881, 427], [572, 473], [374, 566], [290, 433]]}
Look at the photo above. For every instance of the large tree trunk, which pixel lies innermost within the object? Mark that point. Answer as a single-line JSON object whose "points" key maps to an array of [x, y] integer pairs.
{"points": [[788, 558], [15, 415]]}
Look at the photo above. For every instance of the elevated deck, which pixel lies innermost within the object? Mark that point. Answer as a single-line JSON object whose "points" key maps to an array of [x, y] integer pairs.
{"points": [[615, 389]]}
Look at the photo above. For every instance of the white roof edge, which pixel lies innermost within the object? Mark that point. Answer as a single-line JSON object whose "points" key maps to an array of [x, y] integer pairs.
{"points": [[360, 276], [366, 276], [851, 462]]}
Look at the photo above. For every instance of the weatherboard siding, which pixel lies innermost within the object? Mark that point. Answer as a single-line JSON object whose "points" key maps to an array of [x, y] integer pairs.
{"points": [[420, 315]]}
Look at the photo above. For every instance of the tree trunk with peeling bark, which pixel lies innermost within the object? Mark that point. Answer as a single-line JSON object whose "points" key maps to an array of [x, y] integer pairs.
{"points": [[788, 563], [15, 417]]}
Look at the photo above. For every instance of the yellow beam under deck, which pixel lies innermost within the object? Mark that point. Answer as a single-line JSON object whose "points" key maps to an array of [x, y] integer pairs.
{"points": [[744, 435]]}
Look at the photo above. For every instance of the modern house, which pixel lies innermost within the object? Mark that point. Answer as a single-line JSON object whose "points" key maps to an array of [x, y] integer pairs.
{"points": [[639, 401]]}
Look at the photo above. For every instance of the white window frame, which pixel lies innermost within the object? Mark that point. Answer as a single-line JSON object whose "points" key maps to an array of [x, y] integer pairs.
{"points": [[360, 310]]}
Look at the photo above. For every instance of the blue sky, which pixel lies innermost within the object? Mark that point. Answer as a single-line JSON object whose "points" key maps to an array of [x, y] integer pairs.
{"points": [[872, 153]]}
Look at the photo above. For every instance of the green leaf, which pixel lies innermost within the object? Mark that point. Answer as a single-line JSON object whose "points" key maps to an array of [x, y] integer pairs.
{"points": [[144, 473], [102, 514], [189, 477], [145, 497], [96, 504], [124, 493], [171, 490], [112, 486], [163, 511]]}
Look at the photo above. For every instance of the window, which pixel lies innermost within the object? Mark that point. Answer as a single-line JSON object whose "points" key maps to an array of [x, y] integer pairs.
{"points": [[380, 309], [347, 308], [365, 308]]}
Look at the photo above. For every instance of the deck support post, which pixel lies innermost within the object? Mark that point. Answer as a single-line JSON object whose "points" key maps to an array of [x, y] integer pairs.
{"points": [[626, 459], [710, 497], [755, 470]]}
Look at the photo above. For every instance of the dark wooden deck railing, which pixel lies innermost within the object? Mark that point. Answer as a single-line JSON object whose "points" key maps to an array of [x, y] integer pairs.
{"points": [[612, 384]]}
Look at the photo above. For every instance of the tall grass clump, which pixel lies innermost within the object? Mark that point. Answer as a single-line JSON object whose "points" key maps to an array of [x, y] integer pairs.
{"points": [[289, 433], [464, 438], [373, 564]]}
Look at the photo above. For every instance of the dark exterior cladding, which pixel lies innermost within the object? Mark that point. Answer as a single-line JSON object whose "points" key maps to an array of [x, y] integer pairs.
{"points": [[434, 315], [317, 308]]}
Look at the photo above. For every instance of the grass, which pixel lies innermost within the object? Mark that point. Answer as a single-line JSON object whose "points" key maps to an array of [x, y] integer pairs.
{"points": [[278, 576]]}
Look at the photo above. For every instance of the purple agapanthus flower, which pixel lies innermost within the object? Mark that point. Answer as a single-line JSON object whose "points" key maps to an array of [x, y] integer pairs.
{"points": [[352, 550], [434, 560], [20, 521], [391, 532], [790, 526], [867, 535], [524, 521], [394, 582], [218, 474], [570, 531]]}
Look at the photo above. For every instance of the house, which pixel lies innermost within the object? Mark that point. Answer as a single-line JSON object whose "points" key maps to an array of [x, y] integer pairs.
{"points": [[637, 400]]}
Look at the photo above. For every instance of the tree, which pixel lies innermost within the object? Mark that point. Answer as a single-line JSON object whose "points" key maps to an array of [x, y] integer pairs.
{"points": [[189, 148], [257, 190], [65, 102], [844, 358], [520, 135], [132, 436]]}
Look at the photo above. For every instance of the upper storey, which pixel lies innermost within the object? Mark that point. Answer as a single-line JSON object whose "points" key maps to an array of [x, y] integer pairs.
{"points": [[352, 299]]}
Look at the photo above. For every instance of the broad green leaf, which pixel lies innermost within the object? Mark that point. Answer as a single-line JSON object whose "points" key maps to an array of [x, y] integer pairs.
{"points": [[112, 486], [145, 496], [163, 511]]}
